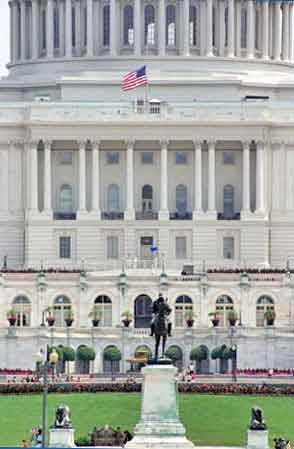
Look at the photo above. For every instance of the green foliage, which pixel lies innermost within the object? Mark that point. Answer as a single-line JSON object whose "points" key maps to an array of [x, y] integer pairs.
{"points": [[112, 354], [143, 349], [227, 354], [83, 441], [199, 353], [69, 354], [86, 353], [174, 353]]}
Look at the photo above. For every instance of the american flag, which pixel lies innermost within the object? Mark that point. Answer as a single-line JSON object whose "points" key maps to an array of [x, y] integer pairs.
{"points": [[135, 79]]}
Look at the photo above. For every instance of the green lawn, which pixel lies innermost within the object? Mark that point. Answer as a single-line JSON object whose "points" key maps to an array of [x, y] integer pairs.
{"points": [[211, 420]]}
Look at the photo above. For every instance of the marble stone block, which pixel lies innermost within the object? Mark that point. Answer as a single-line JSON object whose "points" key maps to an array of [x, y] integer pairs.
{"points": [[257, 439], [62, 438]]}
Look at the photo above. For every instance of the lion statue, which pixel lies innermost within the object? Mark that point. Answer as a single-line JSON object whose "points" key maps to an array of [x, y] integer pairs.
{"points": [[62, 417], [257, 421]]}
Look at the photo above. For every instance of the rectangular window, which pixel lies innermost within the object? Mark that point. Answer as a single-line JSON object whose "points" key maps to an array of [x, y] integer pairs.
{"points": [[65, 247], [147, 157], [112, 247], [228, 158], [181, 248], [228, 248], [65, 157], [112, 157], [181, 157]]}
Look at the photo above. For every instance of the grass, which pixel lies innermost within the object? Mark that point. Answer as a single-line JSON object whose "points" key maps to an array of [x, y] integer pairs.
{"points": [[209, 420]]}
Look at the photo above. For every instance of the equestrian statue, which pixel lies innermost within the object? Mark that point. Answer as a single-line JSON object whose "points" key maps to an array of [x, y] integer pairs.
{"points": [[160, 324]]}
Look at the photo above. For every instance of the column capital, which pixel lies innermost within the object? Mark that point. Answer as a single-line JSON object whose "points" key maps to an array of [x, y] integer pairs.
{"points": [[47, 144], [260, 144], [32, 143], [211, 143], [197, 143], [95, 144], [246, 144], [164, 143], [130, 143], [82, 144]]}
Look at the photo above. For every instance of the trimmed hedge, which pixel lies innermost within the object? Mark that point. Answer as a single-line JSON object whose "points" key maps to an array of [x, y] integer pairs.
{"points": [[190, 388]]}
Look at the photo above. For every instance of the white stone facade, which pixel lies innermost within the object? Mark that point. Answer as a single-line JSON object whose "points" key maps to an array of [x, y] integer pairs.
{"points": [[198, 166]]}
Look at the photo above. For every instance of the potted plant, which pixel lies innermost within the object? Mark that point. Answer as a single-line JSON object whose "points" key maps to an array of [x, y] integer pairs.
{"points": [[215, 318], [127, 318], [11, 316], [189, 317], [50, 318], [232, 317], [95, 314], [270, 316], [70, 318]]}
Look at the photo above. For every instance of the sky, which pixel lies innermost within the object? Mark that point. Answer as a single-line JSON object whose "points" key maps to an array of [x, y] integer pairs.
{"points": [[4, 35]]}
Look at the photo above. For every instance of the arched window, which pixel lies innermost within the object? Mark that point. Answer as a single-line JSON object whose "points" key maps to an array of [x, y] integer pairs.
{"points": [[171, 25], [228, 201], [113, 198], [193, 25], [147, 198], [263, 304], [224, 303], [106, 25], [143, 311], [104, 304], [22, 307], [61, 310], [149, 25], [56, 27], [66, 198], [110, 367], [128, 17], [243, 28], [181, 198], [183, 304]]}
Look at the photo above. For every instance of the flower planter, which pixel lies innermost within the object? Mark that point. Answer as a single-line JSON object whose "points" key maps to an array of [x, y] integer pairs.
{"points": [[50, 321], [232, 322], [215, 322], [69, 322], [190, 323], [95, 323], [126, 323], [270, 322], [12, 321]]}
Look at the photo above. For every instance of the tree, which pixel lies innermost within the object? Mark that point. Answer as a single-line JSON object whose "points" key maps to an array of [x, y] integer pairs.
{"points": [[69, 354], [112, 354], [216, 353], [174, 353], [86, 354], [199, 353]]}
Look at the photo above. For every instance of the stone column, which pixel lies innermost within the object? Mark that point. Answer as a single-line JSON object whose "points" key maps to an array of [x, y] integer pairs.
{"points": [[286, 31], [222, 31], [130, 211], [202, 7], [82, 178], [68, 28], [209, 50], [238, 28], [79, 42], [260, 177], [265, 30], [291, 32], [35, 29], [231, 28], [11, 35], [197, 179], [23, 43], [250, 29], [95, 209], [161, 28], [277, 31], [49, 30], [113, 27], [137, 28], [61, 8], [33, 155], [47, 178], [211, 179], [186, 27], [246, 179], [163, 213], [90, 41]]}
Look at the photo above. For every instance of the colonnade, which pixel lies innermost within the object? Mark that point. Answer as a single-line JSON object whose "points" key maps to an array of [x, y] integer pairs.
{"points": [[129, 214], [225, 28]]}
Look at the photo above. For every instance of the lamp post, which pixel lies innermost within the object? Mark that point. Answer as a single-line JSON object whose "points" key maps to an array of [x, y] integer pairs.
{"points": [[233, 348], [46, 360]]}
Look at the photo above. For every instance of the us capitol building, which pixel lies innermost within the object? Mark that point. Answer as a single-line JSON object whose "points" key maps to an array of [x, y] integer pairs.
{"points": [[184, 187]]}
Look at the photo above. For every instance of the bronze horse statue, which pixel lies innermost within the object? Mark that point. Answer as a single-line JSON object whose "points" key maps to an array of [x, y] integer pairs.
{"points": [[161, 311]]}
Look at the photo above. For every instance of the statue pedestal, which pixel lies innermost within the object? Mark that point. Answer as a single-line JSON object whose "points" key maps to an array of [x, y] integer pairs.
{"points": [[159, 426], [257, 439], [61, 438]]}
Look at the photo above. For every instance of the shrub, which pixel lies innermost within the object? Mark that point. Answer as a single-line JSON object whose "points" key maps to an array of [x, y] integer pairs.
{"points": [[86, 353], [83, 441], [199, 353], [69, 354], [174, 353], [112, 354]]}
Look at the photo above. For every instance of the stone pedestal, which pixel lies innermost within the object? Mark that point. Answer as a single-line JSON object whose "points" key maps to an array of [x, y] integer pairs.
{"points": [[257, 439], [159, 426], [61, 438]]}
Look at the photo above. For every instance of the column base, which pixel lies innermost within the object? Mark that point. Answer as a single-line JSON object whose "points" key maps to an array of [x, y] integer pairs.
{"points": [[198, 215], [32, 213], [94, 215], [129, 214], [163, 215], [211, 215], [247, 215], [46, 214], [260, 214], [82, 215]]}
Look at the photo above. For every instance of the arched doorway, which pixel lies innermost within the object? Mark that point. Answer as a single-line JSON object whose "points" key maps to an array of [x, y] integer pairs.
{"points": [[111, 363], [143, 311], [175, 353]]}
